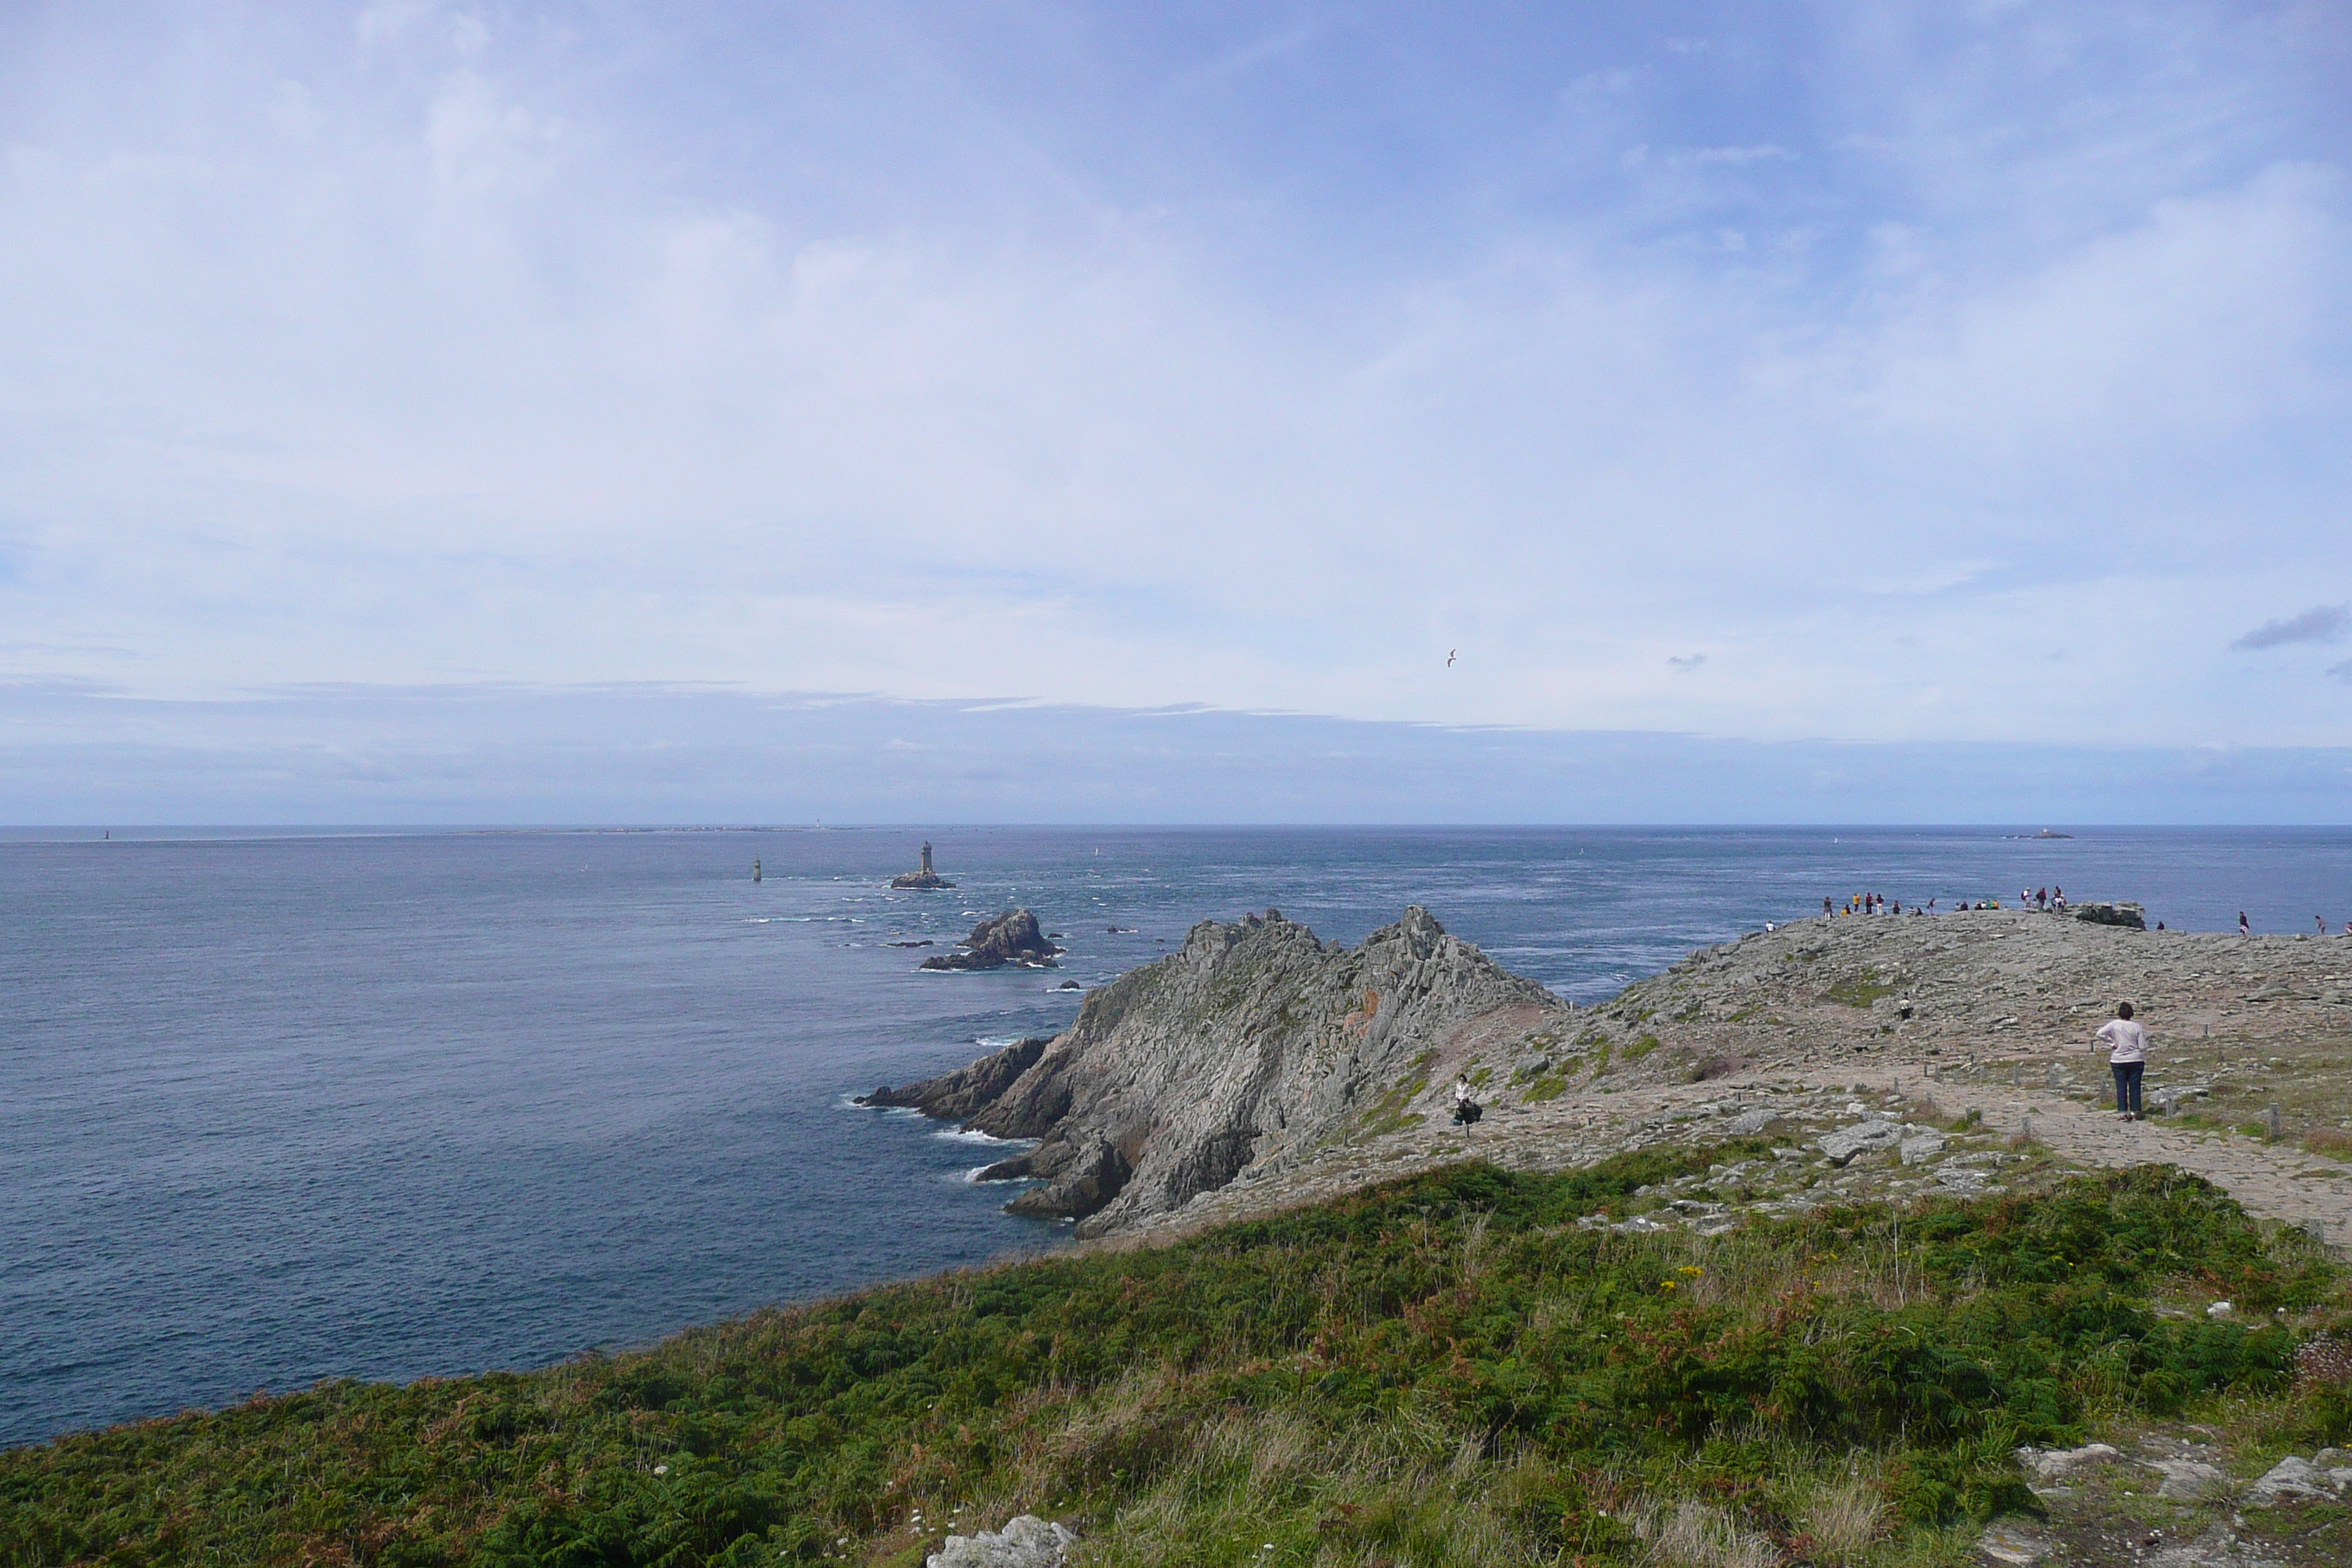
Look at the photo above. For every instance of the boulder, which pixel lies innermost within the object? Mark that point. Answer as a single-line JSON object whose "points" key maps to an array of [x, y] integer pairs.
{"points": [[1921, 1147], [2189, 1481], [1025, 1541], [1012, 937], [1843, 1144], [2054, 1465], [2291, 1480], [2130, 916]]}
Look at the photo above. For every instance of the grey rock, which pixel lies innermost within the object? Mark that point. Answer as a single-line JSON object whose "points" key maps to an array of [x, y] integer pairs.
{"points": [[1843, 1144], [2189, 1481], [1920, 1148], [1025, 1541], [964, 1092], [1252, 1046], [2117, 912], [1012, 937], [2011, 1542], [2217, 1548], [1748, 1123], [2058, 1464], [2291, 1480]]}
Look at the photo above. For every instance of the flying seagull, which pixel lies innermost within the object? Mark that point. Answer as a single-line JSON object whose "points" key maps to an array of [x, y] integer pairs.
{"points": [[1449, 656]]}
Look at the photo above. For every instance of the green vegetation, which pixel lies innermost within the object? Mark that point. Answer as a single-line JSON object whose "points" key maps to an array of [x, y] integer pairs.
{"points": [[1447, 1371], [1547, 1086], [1861, 990], [1391, 1112], [1641, 1046], [2332, 1142]]}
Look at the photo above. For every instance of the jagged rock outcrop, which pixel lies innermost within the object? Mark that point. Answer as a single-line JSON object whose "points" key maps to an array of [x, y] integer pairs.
{"points": [[967, 1091], [1229, 1058], [1012, 937]]}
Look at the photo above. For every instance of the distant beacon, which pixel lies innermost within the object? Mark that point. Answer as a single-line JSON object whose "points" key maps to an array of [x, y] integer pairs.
{"points": [[926, 878]]}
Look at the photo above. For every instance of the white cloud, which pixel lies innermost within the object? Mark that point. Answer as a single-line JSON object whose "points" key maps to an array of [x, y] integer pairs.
{"points": [[457, 361], [1739, 157]]}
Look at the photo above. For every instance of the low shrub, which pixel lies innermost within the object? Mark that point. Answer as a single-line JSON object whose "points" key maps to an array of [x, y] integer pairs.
{"points": [[1451, 1369]]}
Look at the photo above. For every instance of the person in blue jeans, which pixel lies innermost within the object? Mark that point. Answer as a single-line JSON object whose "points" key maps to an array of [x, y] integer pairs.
{"points": [[2126, 1045]]}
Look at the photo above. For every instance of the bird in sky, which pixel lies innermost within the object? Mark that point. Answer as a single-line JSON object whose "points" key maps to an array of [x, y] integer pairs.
{"points": [[1449, 656]]}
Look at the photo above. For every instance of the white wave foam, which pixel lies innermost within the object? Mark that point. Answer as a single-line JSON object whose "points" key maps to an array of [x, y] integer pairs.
{"points": [[982, 1139]]}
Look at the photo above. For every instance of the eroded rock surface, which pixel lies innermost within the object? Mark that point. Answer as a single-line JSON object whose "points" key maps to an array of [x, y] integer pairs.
{"points": [[1012, 937], [964, 1092], [1249, 1047]]}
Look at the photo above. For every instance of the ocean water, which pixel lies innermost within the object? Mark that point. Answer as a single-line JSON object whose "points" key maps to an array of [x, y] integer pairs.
{"points": [[277, 1107]]}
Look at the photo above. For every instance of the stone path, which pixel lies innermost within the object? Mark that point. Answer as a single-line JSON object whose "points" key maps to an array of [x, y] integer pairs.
{"points": [[2278, 1182]]}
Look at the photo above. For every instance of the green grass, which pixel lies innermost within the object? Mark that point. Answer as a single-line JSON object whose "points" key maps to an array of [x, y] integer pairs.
{"points": [[1390, 1112], [1641, 1046], [1449, 1370], [1861, 990]]}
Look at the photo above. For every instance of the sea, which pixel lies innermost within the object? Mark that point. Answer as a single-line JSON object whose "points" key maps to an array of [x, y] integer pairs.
{"points": [[284, 1106]]}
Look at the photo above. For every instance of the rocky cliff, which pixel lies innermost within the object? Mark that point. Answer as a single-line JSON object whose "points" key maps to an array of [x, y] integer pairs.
{"points": [[1252, 1046]]}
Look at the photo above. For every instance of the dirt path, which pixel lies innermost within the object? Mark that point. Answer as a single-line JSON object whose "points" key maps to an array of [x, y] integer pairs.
{"points": [[2277, 1181]]}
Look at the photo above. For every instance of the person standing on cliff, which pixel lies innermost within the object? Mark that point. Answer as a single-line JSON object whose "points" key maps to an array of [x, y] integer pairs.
{"points": [[2126, 1045], [2243, 929]]}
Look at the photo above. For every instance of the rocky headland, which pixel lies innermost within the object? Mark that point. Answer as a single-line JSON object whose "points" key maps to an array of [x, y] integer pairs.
{"points": [[1236, 1058], [1554, 1336], [1258, 1068], [1011, 938]]}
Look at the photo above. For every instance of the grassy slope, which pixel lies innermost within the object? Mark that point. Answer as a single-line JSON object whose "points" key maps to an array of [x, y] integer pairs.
{"points": [[1447, 1371]]}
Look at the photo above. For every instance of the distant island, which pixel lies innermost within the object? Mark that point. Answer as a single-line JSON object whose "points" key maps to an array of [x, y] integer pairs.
{"points": [[923, 877]]}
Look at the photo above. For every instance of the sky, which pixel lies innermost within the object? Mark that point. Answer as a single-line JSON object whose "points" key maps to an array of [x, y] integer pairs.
{"points": [[1877, 387]]}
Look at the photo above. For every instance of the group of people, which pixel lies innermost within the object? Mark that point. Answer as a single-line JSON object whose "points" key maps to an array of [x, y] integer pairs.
{"points": [[2046, 898], [1871, 904]]}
